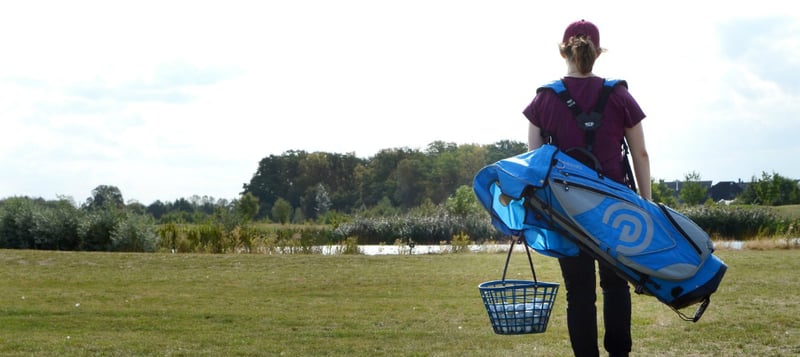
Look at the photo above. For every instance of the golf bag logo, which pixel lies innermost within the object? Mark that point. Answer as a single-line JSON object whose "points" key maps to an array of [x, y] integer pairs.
{"points": [[635, 227]]}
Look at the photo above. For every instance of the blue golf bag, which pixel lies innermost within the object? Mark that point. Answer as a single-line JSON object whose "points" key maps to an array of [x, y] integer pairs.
{"points": [[561, 206]]}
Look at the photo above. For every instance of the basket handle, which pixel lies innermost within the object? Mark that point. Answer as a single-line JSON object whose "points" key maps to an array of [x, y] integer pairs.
{"points": [[508, 258]]}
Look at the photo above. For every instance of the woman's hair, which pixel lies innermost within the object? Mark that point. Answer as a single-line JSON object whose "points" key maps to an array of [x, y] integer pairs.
{"points": [[581, 50]]}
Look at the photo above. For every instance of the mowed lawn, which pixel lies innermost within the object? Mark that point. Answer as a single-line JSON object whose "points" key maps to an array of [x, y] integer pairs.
{"points": [[113, 304]]}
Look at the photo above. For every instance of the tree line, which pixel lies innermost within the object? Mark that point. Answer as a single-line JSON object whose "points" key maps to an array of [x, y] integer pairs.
{"points": [[769, 190], [425, 194], [103, 222], [299, 185]]}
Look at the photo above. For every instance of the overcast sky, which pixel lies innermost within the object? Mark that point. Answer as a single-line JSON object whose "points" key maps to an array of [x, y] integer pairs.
{"points": [[169, 99]]}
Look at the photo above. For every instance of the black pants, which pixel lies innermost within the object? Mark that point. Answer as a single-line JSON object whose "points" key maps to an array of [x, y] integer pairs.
{"points": [[580, 281]]}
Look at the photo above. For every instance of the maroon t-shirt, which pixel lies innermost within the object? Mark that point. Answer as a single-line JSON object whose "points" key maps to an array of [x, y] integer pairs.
{"points": [[549, 112]]}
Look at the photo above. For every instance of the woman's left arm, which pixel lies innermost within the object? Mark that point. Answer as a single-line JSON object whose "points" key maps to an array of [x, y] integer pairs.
{"points": [[535, 139]]}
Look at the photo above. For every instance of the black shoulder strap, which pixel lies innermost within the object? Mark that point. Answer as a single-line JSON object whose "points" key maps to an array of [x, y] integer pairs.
{"points": [[588, 122], [608, 87]]}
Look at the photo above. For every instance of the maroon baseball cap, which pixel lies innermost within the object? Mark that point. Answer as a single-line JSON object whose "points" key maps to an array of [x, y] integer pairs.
{"points": [[583, 27]]}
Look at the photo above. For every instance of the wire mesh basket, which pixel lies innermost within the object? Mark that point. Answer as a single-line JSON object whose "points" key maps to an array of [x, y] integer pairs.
{"points": [[518, 306]]}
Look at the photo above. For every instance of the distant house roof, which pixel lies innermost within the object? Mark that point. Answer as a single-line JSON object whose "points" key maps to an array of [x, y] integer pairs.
{"points": [[723, 190], [726, 190]]}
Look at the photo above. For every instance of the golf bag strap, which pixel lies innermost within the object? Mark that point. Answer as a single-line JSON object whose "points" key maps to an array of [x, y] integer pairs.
{"points": [[588, 122]]}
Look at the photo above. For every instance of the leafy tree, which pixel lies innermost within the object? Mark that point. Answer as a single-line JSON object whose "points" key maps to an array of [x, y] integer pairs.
{"points": [[692, 193], [384, 208], [410, 177], [463, 202], [16, 222], [96, 229], [157, 209], [322, 201], [225, 218], [56, 226], [447, 174], [342, 185], [136, 207], [379, 177], [748, 195], [276, 177], [426, 208], [105, 196], [504, 149], [662, 193], [135, 233], [440, 147], [788, 190], [313, 169], [208, 206], [298, 217], [771, 190], [37, 224], [247, 207], [473, 158], [182, 205], [406, 176], [766, 191], [334, 218], [281, 211]]}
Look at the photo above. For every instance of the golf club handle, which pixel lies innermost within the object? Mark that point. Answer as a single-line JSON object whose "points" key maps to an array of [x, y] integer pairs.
{"points": [[701, 309]]}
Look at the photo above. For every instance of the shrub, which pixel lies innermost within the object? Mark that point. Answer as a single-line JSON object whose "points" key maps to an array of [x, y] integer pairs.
{"points": [[56, 227], [135, 233], [349, 246], [95, 230], [460, 243], [736, 222], [422, 229], [17, 223]]}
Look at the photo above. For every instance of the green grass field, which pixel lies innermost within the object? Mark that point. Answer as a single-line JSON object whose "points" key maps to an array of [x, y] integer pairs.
{"points": [[787, 211], [110, 304]]}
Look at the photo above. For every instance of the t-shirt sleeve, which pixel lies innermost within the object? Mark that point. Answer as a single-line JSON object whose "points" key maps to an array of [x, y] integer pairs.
{"points": [[529, 112], [532, 111], [633, 112]]}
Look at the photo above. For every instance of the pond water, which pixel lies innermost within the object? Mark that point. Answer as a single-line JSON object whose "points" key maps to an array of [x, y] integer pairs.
{"points": [[477, 248], [421, 249]]}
